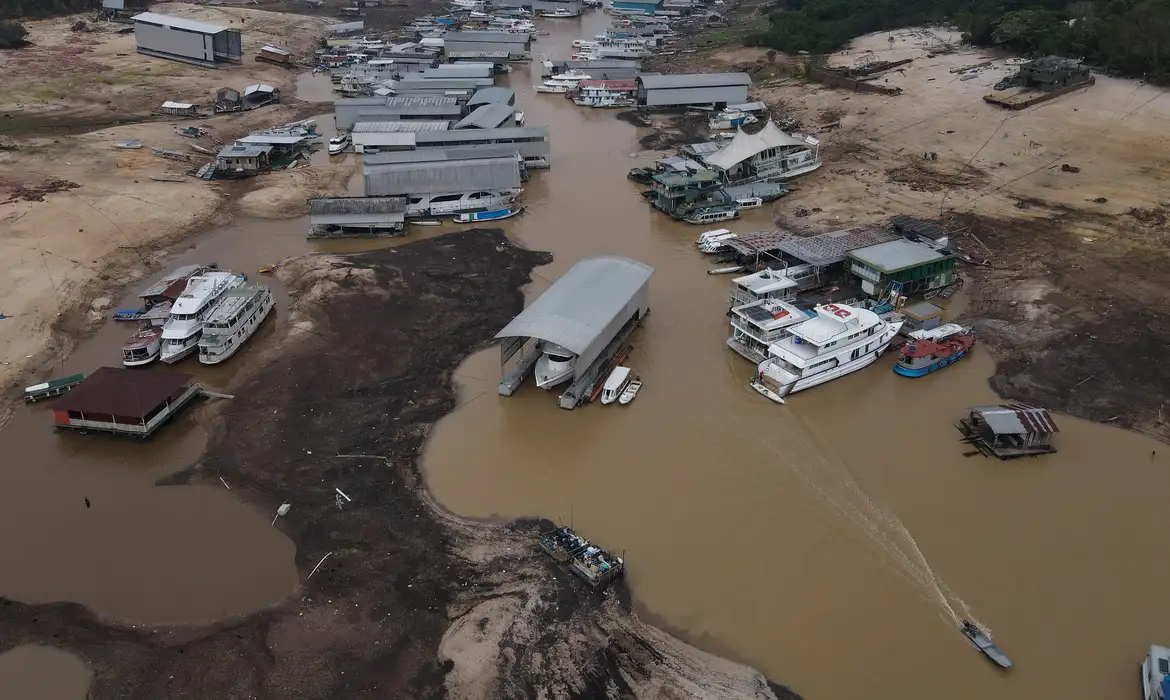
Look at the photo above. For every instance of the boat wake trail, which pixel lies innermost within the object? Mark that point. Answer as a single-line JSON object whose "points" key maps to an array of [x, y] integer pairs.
{"points": [[789, 442]]}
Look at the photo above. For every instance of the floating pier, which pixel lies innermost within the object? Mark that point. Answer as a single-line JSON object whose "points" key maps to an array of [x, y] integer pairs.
{"points": [[125, 401], [1009, 431]]}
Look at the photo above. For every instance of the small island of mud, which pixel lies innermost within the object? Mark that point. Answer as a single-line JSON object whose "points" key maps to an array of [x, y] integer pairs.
{"points": [[398, 599]]}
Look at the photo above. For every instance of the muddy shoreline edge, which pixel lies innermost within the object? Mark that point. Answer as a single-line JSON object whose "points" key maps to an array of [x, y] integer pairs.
{"points": [[409, 601]]}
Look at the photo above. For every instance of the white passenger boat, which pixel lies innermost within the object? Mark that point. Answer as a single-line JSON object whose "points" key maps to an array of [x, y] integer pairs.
{"points": [[234, 319], [554, 366], [183, 328], [450, 204], [143, 347], [560, 12], [713, 234], [585, 44], [556, 87], [840, 340], [474, 5], [1156, 674], [749, 202], [615, 384]]}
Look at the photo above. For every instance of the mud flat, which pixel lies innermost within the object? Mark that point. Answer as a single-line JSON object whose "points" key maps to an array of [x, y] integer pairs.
{"points": [[405, 600], [1065, 199]]}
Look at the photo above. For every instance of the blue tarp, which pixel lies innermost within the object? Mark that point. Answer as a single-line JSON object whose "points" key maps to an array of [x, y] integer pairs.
{"points": [[1166, 686]]}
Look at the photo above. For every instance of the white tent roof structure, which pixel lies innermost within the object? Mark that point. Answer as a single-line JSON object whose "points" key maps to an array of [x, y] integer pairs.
{"points": [[746, 145]]}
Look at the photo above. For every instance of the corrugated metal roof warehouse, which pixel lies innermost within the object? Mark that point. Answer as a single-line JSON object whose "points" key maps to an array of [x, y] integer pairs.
{"points": [[584, 309], [447, 177], [693, 89]]}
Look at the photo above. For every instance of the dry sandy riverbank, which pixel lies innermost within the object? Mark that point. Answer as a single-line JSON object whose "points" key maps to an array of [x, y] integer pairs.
{"points": [[80, 217], [1072, 305]]}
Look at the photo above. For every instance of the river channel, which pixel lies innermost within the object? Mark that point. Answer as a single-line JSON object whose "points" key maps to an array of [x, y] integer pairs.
{"points": [[831, 542]]}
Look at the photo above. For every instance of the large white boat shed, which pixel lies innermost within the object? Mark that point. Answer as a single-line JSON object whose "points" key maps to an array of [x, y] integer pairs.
{"points": [[589, 311]]}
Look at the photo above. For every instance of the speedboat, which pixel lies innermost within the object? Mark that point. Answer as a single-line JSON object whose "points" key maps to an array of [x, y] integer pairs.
{"points": [[1156, 674], [518, 117], [631, 391], [982, 641], [615, 384], [554, 366], [841, 339], [337, 144]]}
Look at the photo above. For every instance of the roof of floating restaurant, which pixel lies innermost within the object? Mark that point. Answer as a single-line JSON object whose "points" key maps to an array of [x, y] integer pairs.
{"points": [[1014, 419], [693, 80], [758, 242], [746, 145], [122, 392], [579, 305]]}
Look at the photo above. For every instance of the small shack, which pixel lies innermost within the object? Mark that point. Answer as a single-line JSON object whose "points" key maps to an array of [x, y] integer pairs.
{"points": [[920, 316], [228, 100], [179, 109], [259, 95], [271, 54], [1009, 431], [242, 160], [124, 401]]}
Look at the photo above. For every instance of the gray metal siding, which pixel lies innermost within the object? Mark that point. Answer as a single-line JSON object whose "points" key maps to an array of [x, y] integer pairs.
{"points": [[572, 5], [356, 219], [514, 48], [441, 178], [172, 41], [432, 139], [638, 303], [730, 94]]}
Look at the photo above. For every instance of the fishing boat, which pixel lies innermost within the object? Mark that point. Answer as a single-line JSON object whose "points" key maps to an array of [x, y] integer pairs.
{"points": [[555, 365], [919, 357], [143, 347], [631, 391], [235, 318], [841, 339], [267, 269], [730, 119], [1156, 674], [491, 215], [982, 641], [183, 328], [615, 384]]}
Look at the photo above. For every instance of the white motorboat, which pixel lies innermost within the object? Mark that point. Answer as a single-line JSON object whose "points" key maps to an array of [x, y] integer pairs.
{"points": [[749, 202], [615, 384], [234, 319], [473, 5], [143, 347], [560, 12], [840, 340], [554, 86], [554, 366], [631, 391], [713, 234], [1156, 674], [585, 44], [717, 244], [338, 143], [181, 332]]}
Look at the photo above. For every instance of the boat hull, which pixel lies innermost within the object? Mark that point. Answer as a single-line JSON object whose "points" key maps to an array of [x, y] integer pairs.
{"points": [[249, 330], [172, 358], [932, 367], [783, 390], [140, 363]]}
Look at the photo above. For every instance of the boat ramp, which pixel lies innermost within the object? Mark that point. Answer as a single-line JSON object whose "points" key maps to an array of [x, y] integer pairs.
{"points": [[590, 563]]}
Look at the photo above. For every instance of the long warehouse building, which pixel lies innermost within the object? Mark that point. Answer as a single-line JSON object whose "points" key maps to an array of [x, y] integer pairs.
{"points": [[583, 312], [531, 141], [351, 110], [186, 40], [517, 45], [442, 177], [693, 89]]}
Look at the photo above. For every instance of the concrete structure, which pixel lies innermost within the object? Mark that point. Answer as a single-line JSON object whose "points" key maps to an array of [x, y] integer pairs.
{"points": [[492, 95], [589, 311], [487, 117], [909, 266], [188, 41], [124, 401], [342, 217], [517, 45], [718, 89], [349, 111], [531, 141], [448, 177]]}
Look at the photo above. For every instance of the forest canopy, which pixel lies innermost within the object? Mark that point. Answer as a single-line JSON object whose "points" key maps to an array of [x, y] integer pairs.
{"points": [[1129, 36], [32, 9]]}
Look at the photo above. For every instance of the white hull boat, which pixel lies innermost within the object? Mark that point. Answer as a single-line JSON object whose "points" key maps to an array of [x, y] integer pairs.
{"points": [[184, 326], [549, 87], [451, 204], [631, 391], [555, 366], [749, 202], [233, 321], [615, 384], [1156, 674], [839, 341], [143, 347]]}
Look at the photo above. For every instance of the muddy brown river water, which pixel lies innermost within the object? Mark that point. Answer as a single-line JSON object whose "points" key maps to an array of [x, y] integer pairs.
{"points": [[831, 542]]}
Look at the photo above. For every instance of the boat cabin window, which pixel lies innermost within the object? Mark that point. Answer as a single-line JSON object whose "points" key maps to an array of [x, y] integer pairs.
{"points": [[446, 198], [559, 358], [1164, 666]]}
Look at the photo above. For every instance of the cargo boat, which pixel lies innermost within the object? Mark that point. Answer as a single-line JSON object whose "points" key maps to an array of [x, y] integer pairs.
{"points": [[921, 357]]}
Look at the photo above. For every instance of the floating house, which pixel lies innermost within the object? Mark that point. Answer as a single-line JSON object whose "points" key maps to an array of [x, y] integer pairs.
{"points": [[124, 401], [188, 41], [910, 267], [179, 109], [1009, 431], [272, 54], [242, 160], [344, 217], [572, 7], [531, 141], [350, 111], [517, 45], [768, 155], [442, 177], [228, 100], [716, 89]]}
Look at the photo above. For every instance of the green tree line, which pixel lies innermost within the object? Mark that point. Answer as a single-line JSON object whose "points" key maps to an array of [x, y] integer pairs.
{"points": [[32, 9], [1128, 36]]}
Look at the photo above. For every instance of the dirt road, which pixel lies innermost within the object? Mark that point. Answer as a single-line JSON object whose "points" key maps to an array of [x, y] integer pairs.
{"points": [[405, 601], [1064, 198]]}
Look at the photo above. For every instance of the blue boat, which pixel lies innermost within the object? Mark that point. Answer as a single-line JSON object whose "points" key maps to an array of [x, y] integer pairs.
{"points": [[920, 357], [490, 215]]}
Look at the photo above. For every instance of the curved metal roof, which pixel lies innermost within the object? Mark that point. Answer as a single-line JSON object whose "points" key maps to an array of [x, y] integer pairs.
{"points": [[579, 305]]}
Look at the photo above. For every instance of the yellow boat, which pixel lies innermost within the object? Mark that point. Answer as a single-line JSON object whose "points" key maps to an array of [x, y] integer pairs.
{"points": [[267, 268]]}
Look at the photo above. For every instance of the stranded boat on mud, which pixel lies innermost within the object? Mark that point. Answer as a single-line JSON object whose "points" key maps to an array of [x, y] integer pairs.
{"points": [[592, 564], [183, 329], [232, 321], [920, 357], [982, 641]]}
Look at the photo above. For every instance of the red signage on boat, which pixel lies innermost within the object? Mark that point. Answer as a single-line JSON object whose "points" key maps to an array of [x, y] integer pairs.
{"points": [[838, 311]]}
